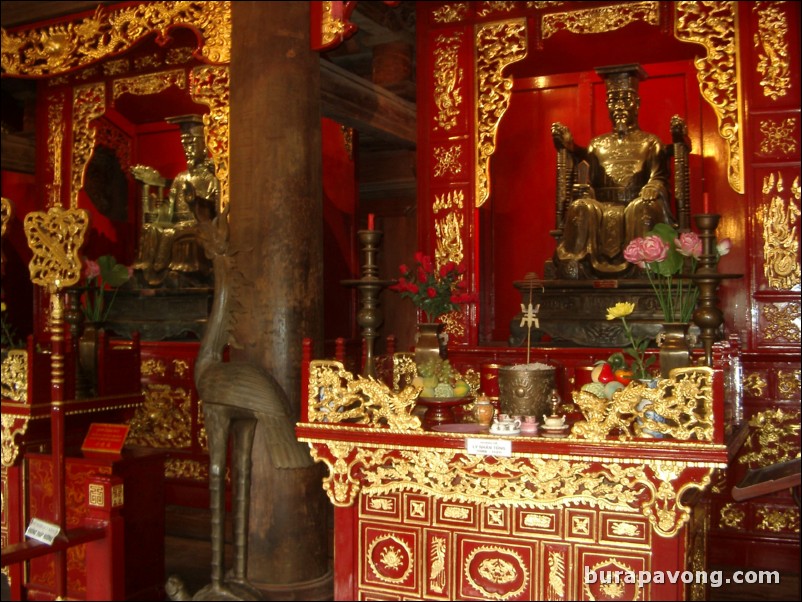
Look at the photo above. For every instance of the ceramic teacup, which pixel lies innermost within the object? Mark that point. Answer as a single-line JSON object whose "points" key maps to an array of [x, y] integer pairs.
{"points": [[553, 421], [510, 424]]}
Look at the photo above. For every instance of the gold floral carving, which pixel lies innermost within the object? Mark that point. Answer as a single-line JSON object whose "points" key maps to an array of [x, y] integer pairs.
{"points": [[153, 367], [404, 369], [15, 375], [713, 25], [732, 516], [556, 578], [13, 426], [165, 419], [624, 529], [89, 103], [539, 521], [7, 212], [337, 396], [332, 28], [456, 512], [116, 67], [55, 147], [631, 485], [755, 385], [778, 137], [151, 83], [495, 6], [448, 77], [601, 19], [450, 13], [614, 589], [67, 46], [437, 566], [685, 402], [390, 557], [788, 384], [773, 64], [180, 368], [178, 56], [780, 234], [782, 322], [501, 566], [153, 61], [448, 230], [773, 438], [496, 517], [778, 519], [55, 238], [210, 85], [450, 200], [182, 468], [580, 525], [497, 46], [447, 160]]}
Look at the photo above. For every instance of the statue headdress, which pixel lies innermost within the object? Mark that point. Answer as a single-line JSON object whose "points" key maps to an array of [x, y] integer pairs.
{"points": [[622, 77]]}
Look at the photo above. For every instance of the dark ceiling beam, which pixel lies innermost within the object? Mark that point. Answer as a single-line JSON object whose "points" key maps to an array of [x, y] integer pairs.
{"points": [[366, 107]]}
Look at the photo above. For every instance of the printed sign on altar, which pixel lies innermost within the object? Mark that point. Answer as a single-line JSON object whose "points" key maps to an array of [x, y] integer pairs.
{"points": [[105, 438]]}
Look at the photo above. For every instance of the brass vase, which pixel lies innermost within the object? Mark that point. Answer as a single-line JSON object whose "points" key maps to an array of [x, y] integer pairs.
{"points": [[429, 342], [675, 347]]}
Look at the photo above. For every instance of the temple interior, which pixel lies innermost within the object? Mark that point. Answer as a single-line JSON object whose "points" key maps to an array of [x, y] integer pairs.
{"points": [[401, 300]]}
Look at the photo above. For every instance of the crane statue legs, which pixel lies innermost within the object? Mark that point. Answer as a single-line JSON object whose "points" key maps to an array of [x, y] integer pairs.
{"points": [[237, 397]]}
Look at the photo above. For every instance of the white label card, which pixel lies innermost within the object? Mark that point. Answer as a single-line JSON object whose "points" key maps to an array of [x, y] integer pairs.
{"points": [[42, 531], [488, 447]]}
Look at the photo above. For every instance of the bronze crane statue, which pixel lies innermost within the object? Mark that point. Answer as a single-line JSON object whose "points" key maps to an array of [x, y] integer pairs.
{"points": [[235, 395]]}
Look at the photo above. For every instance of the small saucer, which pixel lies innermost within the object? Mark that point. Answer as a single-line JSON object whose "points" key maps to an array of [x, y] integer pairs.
{"points": [[554, 435], [504, 432], [556, 429]]}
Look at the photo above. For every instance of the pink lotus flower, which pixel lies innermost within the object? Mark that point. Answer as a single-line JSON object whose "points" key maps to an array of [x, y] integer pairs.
{"points": [[666, 257], [92, 269], [648, 249], [689, 244], [723, 247], [102, 275]]}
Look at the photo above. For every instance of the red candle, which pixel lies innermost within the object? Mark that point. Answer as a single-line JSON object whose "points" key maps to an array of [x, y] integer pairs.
{"points": [[370, 221], [705, 203]]}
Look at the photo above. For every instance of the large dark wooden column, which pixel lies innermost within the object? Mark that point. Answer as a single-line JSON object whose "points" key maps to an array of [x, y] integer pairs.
{"points": [[277, 228]]}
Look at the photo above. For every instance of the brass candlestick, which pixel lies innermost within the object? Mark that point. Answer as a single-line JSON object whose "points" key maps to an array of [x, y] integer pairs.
{"points": [[369, 316], [708, 317]]}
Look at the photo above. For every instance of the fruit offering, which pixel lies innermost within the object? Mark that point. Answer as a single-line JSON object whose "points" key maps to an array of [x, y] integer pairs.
{"points": [[438, 378], [607, 379]]}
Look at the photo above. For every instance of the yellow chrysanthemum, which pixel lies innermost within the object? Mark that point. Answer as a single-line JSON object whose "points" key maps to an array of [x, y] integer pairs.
{"points": [[620, 310]]}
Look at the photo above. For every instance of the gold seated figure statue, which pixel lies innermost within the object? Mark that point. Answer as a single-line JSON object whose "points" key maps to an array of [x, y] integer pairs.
{"points": [[617, 188], [608, 193], [168, 243]]}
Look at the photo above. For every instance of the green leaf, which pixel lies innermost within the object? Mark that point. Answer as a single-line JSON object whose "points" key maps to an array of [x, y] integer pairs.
{"points": [[113, 274]]}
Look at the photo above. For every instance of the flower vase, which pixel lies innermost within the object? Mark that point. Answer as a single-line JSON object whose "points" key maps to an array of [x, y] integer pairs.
{"points": [[675, 347], [86, 384], [429, 342]]}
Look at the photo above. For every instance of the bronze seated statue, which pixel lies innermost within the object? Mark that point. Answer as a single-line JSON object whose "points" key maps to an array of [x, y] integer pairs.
{"points": [[608, 193], [169, 251], [617, 188]]}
